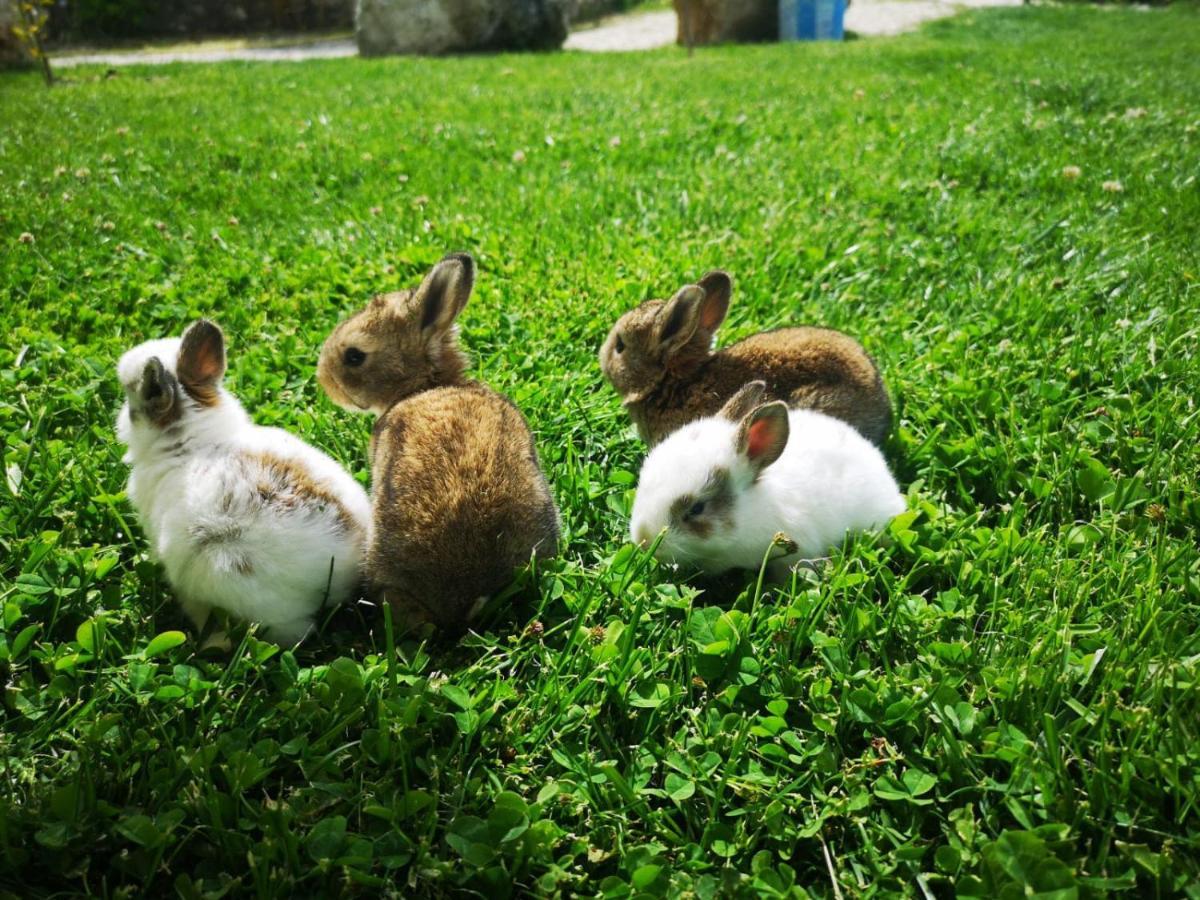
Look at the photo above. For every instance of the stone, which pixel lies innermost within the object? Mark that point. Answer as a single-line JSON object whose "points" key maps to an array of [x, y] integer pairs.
{"points": [[717, 21], [433, 27]]}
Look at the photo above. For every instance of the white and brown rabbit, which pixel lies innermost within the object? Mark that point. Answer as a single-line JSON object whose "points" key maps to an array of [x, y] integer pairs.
{"points": [[660, 358], [720, 488], [245, 519], [459, 498]]}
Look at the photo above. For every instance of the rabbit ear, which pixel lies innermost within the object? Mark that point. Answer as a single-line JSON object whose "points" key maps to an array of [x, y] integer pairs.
{"points": [[718, 288], [763, 435], [201, 363], [157, 393], [679, 318], [743, 402], [445, 291]]}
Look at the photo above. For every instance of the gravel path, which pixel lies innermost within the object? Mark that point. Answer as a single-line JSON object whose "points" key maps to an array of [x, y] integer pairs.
{"points": [[202, 53], [876, 18], [636, 31]]}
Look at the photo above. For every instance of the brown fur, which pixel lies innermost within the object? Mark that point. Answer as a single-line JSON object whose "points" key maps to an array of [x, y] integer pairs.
{"points": [[666, 382], [459, 499], [405, 352], [717, 495], [199, 368], [288, 484], [158, 396], [748, 397], [460, 502]]}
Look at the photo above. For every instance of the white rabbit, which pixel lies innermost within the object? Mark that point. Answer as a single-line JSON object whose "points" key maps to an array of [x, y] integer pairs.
{"points": [[249, 520], [723, 487]]}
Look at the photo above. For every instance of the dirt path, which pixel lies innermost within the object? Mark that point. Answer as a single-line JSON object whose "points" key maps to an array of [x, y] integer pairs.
{"points": [[635, 31]]}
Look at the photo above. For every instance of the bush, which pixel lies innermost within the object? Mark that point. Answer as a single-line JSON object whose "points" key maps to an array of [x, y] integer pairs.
{"points": [[108, 19]]}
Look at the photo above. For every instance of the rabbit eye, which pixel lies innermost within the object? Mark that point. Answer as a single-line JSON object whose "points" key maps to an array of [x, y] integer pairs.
{"points": [[696, 510], [353, 357], [619, 346]]}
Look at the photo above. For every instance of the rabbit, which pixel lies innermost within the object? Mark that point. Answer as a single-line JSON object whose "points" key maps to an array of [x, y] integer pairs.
{"points": [[723, 487], [245, 519], [659, 357], [459, 498]]}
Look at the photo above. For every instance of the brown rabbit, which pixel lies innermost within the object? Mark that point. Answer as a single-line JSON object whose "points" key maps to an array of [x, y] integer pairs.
{"points": [[459, 500], [659, 357]]}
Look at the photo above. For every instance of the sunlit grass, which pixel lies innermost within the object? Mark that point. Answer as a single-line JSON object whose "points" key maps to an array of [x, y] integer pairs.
{"points": [[1001, 696]]}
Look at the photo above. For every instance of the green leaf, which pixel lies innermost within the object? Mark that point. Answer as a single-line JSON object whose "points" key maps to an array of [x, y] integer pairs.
{"points": [[244, 770], [141, 830], [457, 696], [644, 876], [918, 782], [89, 635], [722, 650], [679, 788], [720, 839], [289, 666], [472, 840], [413, 802], [54, 836], [344, 677], [509, 818], [104, 565], [650, 694], [326, 838], [1095, 481], [33, 584], [947, 859], [908, 789], [1083, 536], [1022, 860], [21, 641], [168, 640]]}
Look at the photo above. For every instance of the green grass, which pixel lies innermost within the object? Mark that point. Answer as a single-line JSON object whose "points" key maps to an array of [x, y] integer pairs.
{"points": [[1001, 699]]}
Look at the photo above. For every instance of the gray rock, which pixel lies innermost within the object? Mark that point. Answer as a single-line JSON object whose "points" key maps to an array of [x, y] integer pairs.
{"points": [[431, 27], [716, 21]]}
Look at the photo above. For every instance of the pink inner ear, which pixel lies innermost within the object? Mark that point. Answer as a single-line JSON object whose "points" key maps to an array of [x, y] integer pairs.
{"points": [[208, 365], [759, 438], [711, 315]]}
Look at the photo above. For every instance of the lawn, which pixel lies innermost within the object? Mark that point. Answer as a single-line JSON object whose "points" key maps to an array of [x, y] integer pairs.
{"points": [[1000, 696]]}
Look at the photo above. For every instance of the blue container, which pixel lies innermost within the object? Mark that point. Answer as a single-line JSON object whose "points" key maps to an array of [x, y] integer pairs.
{"points": [[811, 20]]}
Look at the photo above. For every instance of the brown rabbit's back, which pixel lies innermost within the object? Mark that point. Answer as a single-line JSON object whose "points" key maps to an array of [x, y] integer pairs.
{"points": [[808, 368], [459, 502]]}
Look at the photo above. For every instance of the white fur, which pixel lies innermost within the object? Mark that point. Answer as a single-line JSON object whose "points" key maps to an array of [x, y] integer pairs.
{"points": [[828, 481], [196, 488]]}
